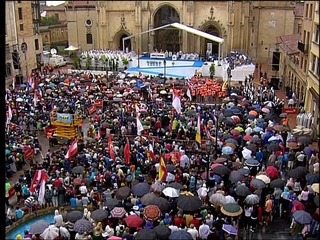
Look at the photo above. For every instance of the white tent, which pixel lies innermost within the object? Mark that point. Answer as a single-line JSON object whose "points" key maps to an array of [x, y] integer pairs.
{"points": [[71, 48], [183, 27]]}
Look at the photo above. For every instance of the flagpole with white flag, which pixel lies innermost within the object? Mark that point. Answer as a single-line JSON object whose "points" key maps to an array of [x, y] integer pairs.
{"points": [[176, 103]]}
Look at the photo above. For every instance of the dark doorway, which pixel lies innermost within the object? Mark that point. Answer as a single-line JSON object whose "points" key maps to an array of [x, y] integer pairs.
{"points": [[215, 46], [167, 38], [127, 43]]}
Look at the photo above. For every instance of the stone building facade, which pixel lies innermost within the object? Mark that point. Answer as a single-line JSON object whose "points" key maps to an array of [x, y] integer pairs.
{"points": [[247, 26], [54, 34]]}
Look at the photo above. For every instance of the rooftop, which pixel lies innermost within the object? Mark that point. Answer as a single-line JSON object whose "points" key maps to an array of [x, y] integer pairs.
{"points": [[298, 11], [289, 43]]}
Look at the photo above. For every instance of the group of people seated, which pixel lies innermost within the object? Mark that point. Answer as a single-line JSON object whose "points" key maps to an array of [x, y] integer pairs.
{"points": [[109, 54], [180, 55]]}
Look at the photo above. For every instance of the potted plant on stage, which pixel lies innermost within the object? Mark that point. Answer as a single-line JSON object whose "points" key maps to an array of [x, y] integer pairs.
{"points": [[110, 64], [212, 70], [88, 62], [103, 61], [96, 62]]}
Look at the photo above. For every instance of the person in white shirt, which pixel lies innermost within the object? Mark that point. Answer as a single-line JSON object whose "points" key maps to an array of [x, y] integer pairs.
{"points": [[83, 189], [204, 230], [173, 228], [193, 231], [58, 219], [247, 215]]}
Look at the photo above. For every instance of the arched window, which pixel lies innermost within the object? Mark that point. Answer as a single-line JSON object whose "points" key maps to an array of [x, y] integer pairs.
{"points": [[89, 38]]}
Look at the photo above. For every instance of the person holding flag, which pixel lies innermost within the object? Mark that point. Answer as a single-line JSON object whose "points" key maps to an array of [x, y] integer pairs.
{"points": [[198, 135], [163, 172]]}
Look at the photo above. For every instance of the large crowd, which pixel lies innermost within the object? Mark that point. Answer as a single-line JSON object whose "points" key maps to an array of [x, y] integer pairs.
{"points": [[140, 171]]}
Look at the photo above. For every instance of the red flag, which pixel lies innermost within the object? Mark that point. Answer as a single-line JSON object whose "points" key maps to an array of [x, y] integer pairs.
{"points": [[151, 152], [36, 181], [127, 154], [163, 172], [111, 149], [73, 150]]}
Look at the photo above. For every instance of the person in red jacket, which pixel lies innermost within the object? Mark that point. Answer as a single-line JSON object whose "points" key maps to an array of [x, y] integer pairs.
{"points": [[195, 222], [179, 221]]}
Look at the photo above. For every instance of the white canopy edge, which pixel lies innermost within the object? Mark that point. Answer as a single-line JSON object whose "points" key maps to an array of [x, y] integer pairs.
{"points": [[181, 27]]}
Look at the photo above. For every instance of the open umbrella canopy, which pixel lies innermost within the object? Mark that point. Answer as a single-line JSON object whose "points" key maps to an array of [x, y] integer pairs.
{"points": [[149, 199], [162, 231], [245, 171], [145, 234], [221, 170], [231, 209], [277, 183], [298, 172], [123, 192], [152, 212], [309, 151], [133, 221], [274, 147], [171, 168], [140, 189], [157, 187], [302, 217], [99, 214], [242, 190], [220, 160], [312, 178], [315, 187], [171, 192], [304, 140], [252, 162], [161, 203], [252, 199], [297, 205], [230, 229], [230, 199], [111, 203], [263, 178], [236, 176], [189, 203], [227, 150], [50, 232], [217, 199], [233, 141], [77, 169], [175, 185], [118, 212], [257, 184], [180, 235], [38, 227], [272, 172], [74, 216]]}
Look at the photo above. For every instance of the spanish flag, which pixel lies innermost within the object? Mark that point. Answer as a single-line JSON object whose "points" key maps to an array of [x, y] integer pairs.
{"points": [[163, 172], [198, 136], [224, 86]]}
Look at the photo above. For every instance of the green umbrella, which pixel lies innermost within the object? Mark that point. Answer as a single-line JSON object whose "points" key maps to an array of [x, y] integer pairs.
{"points": [[8, 152], [231, 209], [8, 186]]}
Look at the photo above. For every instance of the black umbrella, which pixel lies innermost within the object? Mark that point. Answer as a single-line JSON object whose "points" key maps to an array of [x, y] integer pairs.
{"points": [[189, 203], [87, 181], [162, 232], [140, 189], [99, 214], [180, 235], [145, 234], [149, 199], [304, 140], [312, 178], [251, 117], [77, 169], [242, 191], [123, 193], [257, 184], [111, 203], [277, 183], [235, 177], [253, 147], [74, 216], [316, 200], [221, 170], [274, 147], [171, 168], [175, 185], [228, 136], [298, 172], [244, 171]]}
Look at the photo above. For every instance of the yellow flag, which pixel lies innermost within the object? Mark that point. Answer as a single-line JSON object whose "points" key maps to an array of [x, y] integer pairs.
{"points": [[198, 136]]}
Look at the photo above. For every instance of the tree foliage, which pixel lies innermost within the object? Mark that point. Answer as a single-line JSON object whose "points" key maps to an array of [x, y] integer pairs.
{"points": [[48, 21]]}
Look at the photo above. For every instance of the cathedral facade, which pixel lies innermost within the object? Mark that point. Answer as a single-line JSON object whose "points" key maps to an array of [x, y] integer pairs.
{"points": [[104, 24]]}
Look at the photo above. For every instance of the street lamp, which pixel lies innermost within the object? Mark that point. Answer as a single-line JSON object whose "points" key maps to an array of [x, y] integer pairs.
{"points": [[229, 80], [208, 150], [164, 68]]}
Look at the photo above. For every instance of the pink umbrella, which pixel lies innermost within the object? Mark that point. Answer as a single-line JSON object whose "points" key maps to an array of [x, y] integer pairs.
{"points": [[142, 110], [114, 238], [215, 165]]}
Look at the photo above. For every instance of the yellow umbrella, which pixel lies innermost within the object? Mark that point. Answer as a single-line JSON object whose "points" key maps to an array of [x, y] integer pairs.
{"points": [[240, 129], [263, 178], [315, 187]]}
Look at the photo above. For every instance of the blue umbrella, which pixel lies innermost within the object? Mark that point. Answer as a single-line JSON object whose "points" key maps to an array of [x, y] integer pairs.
{"points": [[230, 229], [180, 235], [258, 129], [302, 217], [256, 106], [227, 150], [251, 117], [23, 85], [312, 178], [262, 125], [267, 136], [309, 151], [236, 111], [252, 162]]}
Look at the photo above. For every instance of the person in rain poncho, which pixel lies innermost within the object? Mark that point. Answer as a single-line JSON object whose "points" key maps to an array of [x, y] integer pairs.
{"points": [[184, 159], [58, 219], [192, 184]]}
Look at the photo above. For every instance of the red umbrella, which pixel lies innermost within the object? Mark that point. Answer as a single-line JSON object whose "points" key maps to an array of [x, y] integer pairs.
{"points": [[133, 221], [272, 172], [215, 165], [247, 137], [152, 212], [235, 132], [297, 206], [245, 104], [204, 175], [236, 119]]}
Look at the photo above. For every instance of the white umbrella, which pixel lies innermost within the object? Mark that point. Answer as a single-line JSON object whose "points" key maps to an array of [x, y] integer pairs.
{"points": [[171, 192], [50, 232], [246, 153], [64, 232], [122, 76], [119, 95], [263, 178], [133, 81], [19, 100], [130, 75], [275, 138], [229, 199]]}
